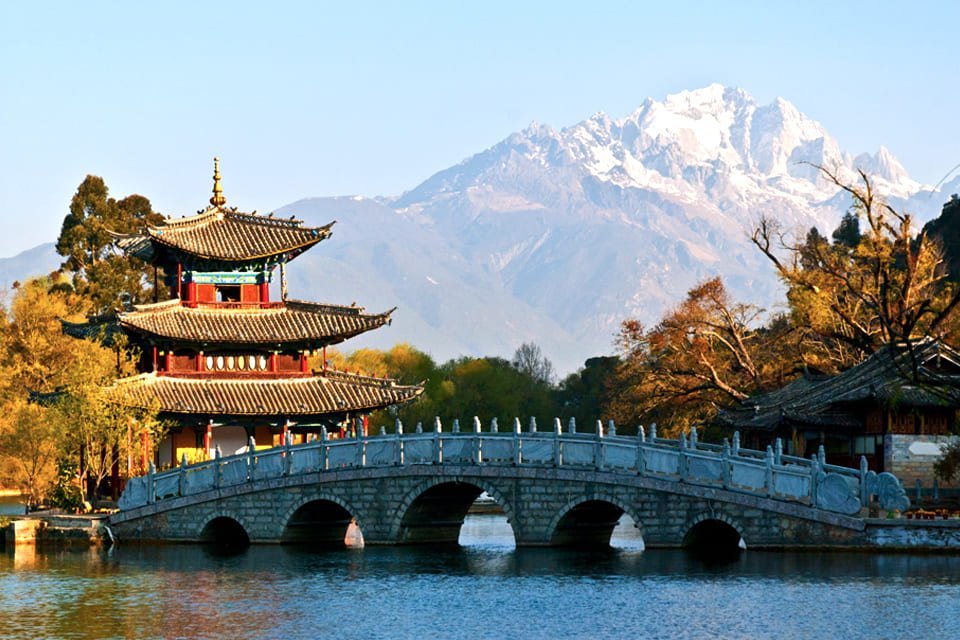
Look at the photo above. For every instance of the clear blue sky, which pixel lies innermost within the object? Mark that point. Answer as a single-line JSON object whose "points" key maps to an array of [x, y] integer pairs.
{"points": [[308, 98]]}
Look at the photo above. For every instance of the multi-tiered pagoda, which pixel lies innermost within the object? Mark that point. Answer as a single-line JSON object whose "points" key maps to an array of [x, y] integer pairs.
{"points": [[224, 362]]}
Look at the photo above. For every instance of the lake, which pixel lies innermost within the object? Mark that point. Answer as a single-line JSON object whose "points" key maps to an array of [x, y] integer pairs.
{"points": [[484, 589]]}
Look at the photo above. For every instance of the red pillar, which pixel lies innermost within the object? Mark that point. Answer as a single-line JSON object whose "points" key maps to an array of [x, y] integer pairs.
{"points": [[200, 361], [324, 356], [273, 362], [154, 359], [303, 362], [264, 292]]}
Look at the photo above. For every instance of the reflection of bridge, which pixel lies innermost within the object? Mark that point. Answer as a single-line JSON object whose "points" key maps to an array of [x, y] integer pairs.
{"points": [[556, 487]]}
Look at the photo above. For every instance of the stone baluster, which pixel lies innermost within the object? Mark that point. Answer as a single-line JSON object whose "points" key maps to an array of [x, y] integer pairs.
{"points": [[814, 478], [494, 427], [572, 425], [218, 463], [251, 459], [287, 440], [736, 444], [437, 443], [864, 488], [182, 479], [533, 424], [653, 432], [418, 428], [641, 451], [693, 438], [517, 453], [477, 441], [398, 432], [383, 430], [768, 471], [456, 425], [598, 447], [725, 463], [682, 456], [611, 428], [151, 483], [323, 448], [822, 455], [778, 451], [557, 453]]}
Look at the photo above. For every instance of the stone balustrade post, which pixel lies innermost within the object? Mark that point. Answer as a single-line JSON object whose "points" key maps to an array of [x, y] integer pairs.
{"points": [[598, 447], [864, 488], [418, 428], [778, 451], [494, 427], [725, 464], [533, 424], [682, 456], [251, 460], [151, 483], [477, 441], [736, 444], [217, 467], [653, 432], [611, 428], [437, 450], [814, 478], [287, 461], [557, 430], [456, 425], [768, 471], [641, 451], [693, 438], [323, 448], [822, 455], [398, 434], [182, 476], [517, 453], [572, 425]]}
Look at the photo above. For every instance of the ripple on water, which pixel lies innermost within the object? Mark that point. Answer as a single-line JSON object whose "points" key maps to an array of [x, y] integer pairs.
{"points": [[486, 589]]}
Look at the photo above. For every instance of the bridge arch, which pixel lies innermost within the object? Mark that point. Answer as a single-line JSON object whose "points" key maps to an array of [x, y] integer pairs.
{"points": [[418, 522], [319, 519], [589, 520], [713, 535], [225, 530]]}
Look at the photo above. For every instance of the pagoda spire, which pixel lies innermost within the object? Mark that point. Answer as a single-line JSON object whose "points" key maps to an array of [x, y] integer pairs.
{"points": [[218, 199]]}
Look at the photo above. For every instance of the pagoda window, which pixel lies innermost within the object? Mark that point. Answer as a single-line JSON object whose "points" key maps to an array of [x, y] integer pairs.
{"points": [[228, 293]]}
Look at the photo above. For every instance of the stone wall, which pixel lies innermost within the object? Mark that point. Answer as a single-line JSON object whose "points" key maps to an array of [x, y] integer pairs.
{"points": [[911, 457]]}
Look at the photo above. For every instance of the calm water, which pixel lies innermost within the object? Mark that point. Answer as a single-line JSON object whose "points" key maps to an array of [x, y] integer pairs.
{"points": [[486, 589]]}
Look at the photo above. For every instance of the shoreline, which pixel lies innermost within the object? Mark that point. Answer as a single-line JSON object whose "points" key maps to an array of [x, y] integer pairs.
{"points": [[10, 493]]}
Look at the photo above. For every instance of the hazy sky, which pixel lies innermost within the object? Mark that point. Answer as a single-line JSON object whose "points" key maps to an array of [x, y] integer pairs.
{"points": [[310, 99]]}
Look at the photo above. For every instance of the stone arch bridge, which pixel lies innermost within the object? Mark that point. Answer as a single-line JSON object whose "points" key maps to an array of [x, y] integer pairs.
{"points": [[556, 488]]}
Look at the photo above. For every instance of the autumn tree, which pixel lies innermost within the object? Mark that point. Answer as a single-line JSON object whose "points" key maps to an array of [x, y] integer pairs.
{"points": [[707, 352], [853, 296], [100, 271], [530, 360]]}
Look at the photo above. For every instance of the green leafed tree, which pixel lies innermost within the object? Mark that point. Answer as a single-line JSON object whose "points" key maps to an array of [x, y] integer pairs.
{"points": [[100, 271]]}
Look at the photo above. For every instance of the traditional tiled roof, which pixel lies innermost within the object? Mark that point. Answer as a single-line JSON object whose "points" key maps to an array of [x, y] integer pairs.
{"points": [[103, 328], [331, 393], [224, 235], [296, 324], [891, 377]]}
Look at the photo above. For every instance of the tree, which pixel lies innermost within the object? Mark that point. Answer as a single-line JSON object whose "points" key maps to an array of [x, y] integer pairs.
{"points": [[847, 234], [585, 395], [529, 360], [109, 278], [30, 445], [890, 288], [706, 353]]}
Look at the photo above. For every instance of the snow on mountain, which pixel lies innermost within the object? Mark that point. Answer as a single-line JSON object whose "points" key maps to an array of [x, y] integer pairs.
{"points": [[556, 236]]}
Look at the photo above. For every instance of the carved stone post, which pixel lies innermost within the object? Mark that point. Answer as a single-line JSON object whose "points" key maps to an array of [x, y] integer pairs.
{"points": [[456, 425], [151, 483], [533, 424], [572, 425], [778, 451], [641, 457], [814, 478], [598, 448], [725, 463], [693, 438], [323, 448], [768, 475], [682, 456], [437, 452], [287, 437], [494, 427], [477, 441], [251, 460], [517, 453], [653, 432], [557, 430], [611, 428], [736, 444], [217, 467]]}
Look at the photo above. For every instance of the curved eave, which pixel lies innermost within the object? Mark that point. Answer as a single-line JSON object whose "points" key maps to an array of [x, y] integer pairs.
{"points": [[316, 396]]}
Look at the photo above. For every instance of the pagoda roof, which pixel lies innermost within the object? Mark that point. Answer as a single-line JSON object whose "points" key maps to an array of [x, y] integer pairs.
{"points": [[294, 323], [223, 235], [331, 393], [924, 374]]}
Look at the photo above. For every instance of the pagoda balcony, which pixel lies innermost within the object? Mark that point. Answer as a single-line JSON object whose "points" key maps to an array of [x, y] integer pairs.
{"points": [[198, 304], [238, 375]]}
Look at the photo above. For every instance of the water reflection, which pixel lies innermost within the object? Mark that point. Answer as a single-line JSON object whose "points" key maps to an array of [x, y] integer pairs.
{"points": [[485, 588]]}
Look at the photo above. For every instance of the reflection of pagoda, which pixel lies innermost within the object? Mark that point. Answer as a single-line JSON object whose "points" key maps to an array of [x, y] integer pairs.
{"points": [[222, 361]]}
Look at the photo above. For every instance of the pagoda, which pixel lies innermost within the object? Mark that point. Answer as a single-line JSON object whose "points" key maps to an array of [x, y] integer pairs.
{"points": [[223, 362]]}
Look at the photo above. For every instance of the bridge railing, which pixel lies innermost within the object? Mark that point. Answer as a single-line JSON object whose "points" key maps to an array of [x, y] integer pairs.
{"points": [[768, 473]]}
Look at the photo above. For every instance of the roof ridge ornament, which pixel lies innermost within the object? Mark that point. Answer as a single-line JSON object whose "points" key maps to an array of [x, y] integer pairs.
{"points": [[218, 199]]}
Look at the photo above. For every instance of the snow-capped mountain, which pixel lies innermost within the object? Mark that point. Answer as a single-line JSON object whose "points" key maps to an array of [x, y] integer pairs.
{"points": [[556, 236], [612, 218]]}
